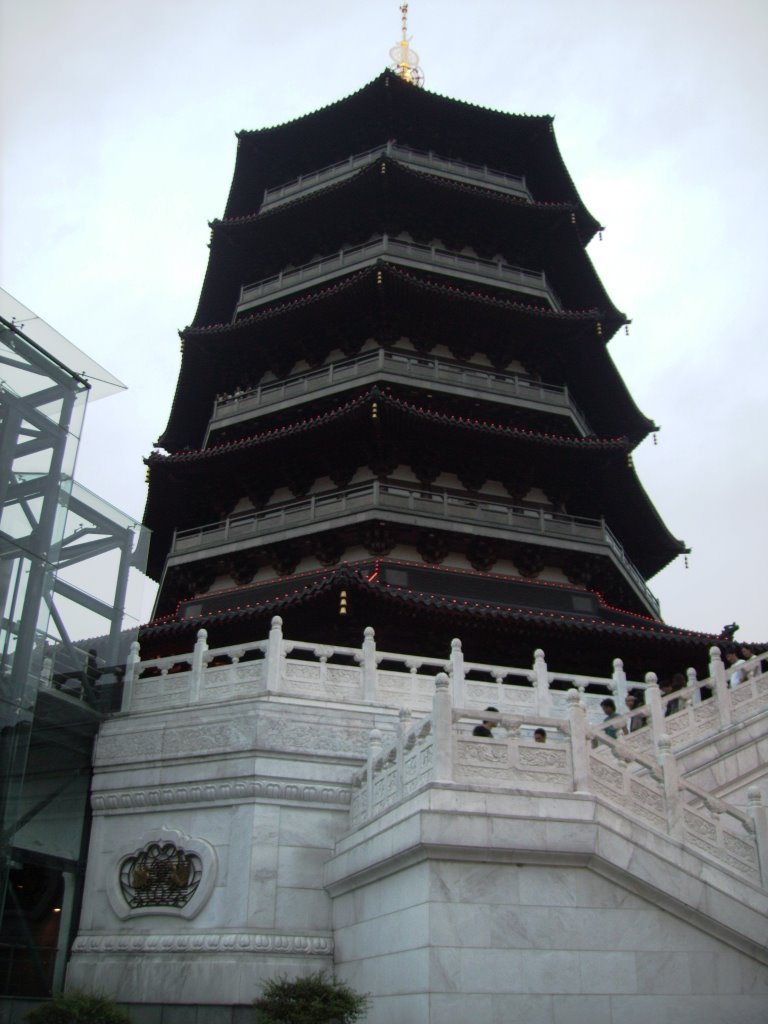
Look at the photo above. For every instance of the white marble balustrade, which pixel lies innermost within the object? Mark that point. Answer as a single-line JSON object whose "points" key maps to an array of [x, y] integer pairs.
{"points": [[577, 758], [367, 675]]}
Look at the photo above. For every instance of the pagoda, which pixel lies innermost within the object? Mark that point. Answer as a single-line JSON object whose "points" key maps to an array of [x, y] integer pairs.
{"points": [[396, 406], [398, 439]]}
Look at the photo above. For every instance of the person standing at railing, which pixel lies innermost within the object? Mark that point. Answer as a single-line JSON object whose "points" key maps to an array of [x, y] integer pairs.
{"points": [[749, 655], [736, 674], [486, 728], [609, 707], [669, 686], [638, 719]]}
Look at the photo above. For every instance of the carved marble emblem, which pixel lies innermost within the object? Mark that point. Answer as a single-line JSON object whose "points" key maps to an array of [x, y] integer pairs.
{"points": [[160, 875], [166, 873]]}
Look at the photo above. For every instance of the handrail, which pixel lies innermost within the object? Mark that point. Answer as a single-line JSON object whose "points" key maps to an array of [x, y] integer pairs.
{"points": [[399, 497], [305, 183], [409, 365], [625, 754], [443, 261]]}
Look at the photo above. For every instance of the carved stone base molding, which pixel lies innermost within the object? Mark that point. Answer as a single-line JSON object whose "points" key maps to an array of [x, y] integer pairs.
{"points": [[208, 942], [208, 793]]}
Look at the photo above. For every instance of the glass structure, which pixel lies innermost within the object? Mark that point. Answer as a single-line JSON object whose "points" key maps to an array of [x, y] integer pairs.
{"points": [[66, 560]]}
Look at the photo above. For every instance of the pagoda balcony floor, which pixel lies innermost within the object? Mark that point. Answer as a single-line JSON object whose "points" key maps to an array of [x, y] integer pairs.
{"points": [[399, 368], [439, 166], [469, 269], [400, 503]]}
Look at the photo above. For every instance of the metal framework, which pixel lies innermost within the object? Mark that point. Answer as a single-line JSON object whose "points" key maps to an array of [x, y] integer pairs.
{"points": [[54, 538]]}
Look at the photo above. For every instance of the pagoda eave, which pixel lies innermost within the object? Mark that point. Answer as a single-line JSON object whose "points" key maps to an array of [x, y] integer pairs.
{"points": [[389, 107], [370, 602], [216, 357], [404, 202]]}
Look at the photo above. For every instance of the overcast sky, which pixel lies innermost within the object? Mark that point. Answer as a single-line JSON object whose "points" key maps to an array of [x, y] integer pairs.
{"points": [[118, 124]]}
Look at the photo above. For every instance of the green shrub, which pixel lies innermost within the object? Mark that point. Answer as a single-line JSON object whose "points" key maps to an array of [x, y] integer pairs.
{"points": [[316, 999], [76, 1007]]}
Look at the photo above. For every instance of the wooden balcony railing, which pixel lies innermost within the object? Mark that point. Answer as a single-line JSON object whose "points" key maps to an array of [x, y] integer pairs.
{"points": [[402, 367], [474, 174], [404, 502], [495, 273]]}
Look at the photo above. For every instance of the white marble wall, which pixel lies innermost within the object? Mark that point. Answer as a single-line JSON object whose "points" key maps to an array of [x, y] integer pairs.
{"points": [[455, 942], [469, 901], [263, 788]]}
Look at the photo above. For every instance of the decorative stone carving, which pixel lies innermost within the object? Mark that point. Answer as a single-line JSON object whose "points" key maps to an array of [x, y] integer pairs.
{"points": [[135, 746], [477, 752], [645, 796], [739, 848], [160, 875], [275, 733], [170, 873], [206, 738], [530, 757], [240, 790], [607, 775], [705, 714], [700, 826]]}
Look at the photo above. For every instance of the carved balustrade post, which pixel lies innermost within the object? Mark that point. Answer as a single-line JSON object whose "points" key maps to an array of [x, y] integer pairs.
{"points": [[403, 725], [691, 680], [133, 659], [653, 701], [758, 812], [199, 662], [579, 748], [275, 654], [442, 726], [540, 678], [370, 675], [722, 693], [619, 683], [671, 775], [374, 753], [457, 673]]}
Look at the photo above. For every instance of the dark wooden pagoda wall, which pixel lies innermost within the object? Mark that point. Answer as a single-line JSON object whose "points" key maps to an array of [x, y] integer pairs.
{"points": [[477, 440]]}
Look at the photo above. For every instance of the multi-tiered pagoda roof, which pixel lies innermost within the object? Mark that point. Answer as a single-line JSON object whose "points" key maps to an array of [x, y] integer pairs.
{"points": [[396, 405]]}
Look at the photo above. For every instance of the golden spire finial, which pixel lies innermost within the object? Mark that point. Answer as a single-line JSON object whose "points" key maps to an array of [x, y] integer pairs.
{"points": [[405, 61]]}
